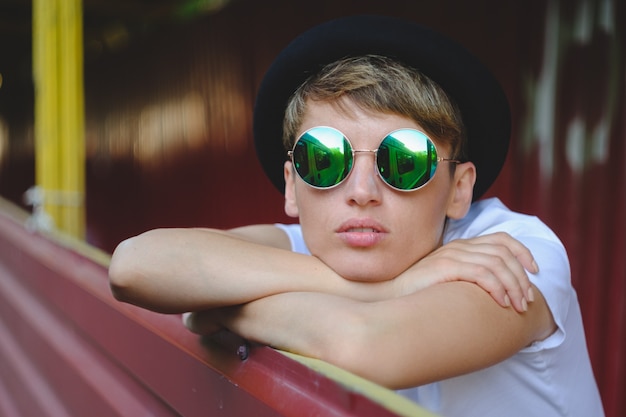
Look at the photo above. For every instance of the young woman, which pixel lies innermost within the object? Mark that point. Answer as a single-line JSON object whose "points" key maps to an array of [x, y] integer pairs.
{"points": [[391, 134]]}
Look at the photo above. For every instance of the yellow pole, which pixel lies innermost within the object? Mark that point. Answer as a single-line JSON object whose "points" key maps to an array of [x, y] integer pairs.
{"points": [[59, 112], [46, 98], [71, 117]]}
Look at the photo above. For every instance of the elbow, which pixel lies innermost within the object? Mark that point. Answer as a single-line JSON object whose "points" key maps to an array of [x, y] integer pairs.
{"points": [[138, 275]]}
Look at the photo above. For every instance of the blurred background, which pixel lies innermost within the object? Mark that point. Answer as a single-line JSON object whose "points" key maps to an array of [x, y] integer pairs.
{"points": [[169, 88]]}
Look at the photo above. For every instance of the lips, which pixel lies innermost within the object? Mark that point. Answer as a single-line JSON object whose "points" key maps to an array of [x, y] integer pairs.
{"points": [[361, 233], [362, 230]]}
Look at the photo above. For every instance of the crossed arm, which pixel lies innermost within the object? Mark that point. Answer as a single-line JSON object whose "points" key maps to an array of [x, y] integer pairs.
{"points": [[399, 333]]}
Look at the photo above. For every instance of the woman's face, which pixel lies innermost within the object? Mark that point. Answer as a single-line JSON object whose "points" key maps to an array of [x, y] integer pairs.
{"points": [[363, 229]]}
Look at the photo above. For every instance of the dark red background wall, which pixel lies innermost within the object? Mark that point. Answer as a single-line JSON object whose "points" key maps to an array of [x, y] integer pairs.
{"points": [[169, 130]]}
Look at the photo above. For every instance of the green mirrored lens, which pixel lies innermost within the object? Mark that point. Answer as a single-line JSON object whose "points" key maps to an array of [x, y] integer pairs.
{"points": [[322, 157], [407, 159]]}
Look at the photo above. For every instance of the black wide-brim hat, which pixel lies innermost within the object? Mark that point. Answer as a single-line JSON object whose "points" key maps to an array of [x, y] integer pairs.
{"points": [[483, 104]]}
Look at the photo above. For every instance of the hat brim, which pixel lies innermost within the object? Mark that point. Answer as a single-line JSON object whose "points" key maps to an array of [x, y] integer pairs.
{"points": [[483, 104]]}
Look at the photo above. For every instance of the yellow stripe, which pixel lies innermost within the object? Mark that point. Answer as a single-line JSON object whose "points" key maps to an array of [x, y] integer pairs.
{"points": [[383, 396]]}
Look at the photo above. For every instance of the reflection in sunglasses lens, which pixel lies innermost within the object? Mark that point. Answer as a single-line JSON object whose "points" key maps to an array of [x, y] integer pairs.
{"points": [[406, 158]]}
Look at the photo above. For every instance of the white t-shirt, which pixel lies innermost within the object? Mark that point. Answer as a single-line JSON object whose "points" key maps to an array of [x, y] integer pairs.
{"points": [[552, 377]]}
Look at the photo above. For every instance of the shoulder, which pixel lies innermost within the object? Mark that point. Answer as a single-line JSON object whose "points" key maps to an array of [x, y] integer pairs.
{"points": [[490, 216]]}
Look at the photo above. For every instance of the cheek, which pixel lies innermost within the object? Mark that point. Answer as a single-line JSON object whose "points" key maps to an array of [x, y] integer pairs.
{"points": [[310, 211], [307, 204], [422, 224], [316, 219], [423, 236]]}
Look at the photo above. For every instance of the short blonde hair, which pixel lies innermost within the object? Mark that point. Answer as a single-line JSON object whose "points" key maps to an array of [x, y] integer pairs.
{"points": [[383, 85]]}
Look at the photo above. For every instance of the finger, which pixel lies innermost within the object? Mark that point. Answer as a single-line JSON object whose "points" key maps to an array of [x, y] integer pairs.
{"points": [[521, 252], [517, 250], [510, 274], [201, 322], [502, 280], [461, 265], [494, 268], [527, 261]]}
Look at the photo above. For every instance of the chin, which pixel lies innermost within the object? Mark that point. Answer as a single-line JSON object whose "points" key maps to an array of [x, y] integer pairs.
{"points": [[364, 267], [365, 274]]}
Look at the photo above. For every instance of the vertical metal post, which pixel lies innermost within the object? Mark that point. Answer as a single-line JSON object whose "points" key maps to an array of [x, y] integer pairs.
{"points": [[59, 112], [71, 117], [46, 99]]}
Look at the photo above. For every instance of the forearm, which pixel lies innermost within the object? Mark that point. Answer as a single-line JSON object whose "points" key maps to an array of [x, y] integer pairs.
{"points": [[307, 323], [344, 332], [177, 270], [443, 331]]}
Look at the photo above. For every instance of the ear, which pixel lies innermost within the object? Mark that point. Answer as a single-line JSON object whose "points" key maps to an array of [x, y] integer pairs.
{"points": [[291, 202], [462, 190]]}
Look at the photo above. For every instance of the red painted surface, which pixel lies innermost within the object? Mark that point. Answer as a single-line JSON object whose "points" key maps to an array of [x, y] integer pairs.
{"points": [[67, 348]]}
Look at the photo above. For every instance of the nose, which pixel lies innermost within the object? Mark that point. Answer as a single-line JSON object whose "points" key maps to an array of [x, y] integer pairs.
{"points": [[362, 185]]}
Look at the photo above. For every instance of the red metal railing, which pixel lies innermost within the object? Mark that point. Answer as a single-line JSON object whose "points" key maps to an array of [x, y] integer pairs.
{"points": [[67, 348]]}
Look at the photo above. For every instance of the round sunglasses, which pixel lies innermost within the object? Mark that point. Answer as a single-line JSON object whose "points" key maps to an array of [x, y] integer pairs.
{"points": [[406, 159]]}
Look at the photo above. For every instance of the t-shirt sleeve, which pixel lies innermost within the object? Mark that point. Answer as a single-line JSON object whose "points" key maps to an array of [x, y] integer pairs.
{"points": [[294, 232], [553, 280]]}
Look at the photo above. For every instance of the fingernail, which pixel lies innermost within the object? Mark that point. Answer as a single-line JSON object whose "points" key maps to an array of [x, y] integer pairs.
{"points": [[524, 304], [507, 300], [531, 294], [535, 267]]}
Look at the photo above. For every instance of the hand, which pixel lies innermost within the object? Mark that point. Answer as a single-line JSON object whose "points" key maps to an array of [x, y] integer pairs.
{"points": [[202, 322], [496, 262]]}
